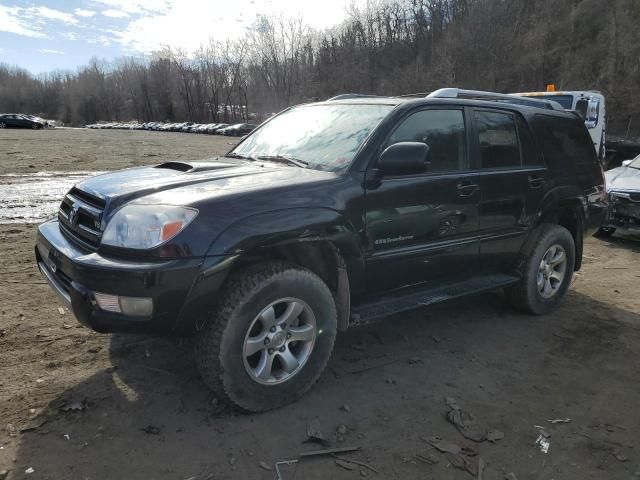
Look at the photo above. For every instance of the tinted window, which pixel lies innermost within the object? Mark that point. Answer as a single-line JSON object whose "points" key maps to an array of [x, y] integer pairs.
{"points": [[498, 140], [527, 146], [564, 140], [443, 131]]}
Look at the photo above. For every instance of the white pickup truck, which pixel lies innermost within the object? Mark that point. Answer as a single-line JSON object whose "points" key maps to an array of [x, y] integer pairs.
{"points": [[589, 104]]}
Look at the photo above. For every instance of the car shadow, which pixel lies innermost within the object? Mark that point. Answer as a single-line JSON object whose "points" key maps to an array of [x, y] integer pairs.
{"points": [[622, 239], [149, 416]]}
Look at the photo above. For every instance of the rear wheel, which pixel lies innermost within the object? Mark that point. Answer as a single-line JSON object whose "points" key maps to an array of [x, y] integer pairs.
{"points": [[270, 338], [547, 268], [3, 125]]}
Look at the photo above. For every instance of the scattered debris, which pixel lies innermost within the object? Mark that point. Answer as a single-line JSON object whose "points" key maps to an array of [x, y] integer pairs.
{"points": [[66, 326], [358, 462], [463, 463], [75, 406], [443, 446], [510, 476], [284, 462], [328, 451], [465, 422], [480, 468], [543, 443], [29, 470], [265, 466], [429, 458], [33, 424], [391, 381], [559, 420], [61, 310], [342, 430], [67, 437], [494, 435], [414, 360], [94, 349], [4, 474], [346, 464], [151, 430], [621, 457], [12, 430], [345, 408], [315, 434]]}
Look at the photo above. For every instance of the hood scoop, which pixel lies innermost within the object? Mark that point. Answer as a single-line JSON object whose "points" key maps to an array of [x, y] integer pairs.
{"points": [[194, 166]]}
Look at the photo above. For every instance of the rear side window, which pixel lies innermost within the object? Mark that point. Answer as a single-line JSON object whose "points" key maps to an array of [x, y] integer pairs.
{"points": [[498, 139], [564, 140], [443, 131], [530, 155]]}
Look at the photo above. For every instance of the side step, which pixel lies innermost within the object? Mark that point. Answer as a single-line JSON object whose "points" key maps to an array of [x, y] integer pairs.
{"points": [[402, 301]]}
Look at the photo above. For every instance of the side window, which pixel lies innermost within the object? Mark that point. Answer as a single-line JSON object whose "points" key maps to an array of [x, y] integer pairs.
{"points": [[443, 131], [530, 155], [564, 141], [498, 139]]}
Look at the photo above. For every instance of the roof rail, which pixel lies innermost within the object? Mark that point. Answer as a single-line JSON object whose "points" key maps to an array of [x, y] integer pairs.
{"points": [[347, 96], [497, 97]]}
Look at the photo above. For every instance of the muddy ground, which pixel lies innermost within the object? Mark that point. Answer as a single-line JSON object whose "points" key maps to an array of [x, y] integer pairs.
{"points": [[79, 405]]}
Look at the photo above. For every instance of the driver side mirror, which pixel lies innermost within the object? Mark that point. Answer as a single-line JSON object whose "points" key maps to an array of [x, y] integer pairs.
{"points": [[404, 158]]}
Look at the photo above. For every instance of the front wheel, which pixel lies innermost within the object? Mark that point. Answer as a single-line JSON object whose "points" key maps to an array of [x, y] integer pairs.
{"points": [[271, 336], [547, 267]]}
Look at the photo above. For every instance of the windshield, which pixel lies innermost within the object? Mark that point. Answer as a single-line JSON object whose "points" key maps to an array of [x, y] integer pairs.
{"points": [[565, 100], [324, 137], [635, 163]]}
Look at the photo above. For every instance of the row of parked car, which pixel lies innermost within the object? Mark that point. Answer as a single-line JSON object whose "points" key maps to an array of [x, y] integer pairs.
{"points": [[235, 130]]}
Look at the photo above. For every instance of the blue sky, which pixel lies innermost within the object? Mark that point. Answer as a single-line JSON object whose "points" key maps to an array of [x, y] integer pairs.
{"points": [[46, 35]]}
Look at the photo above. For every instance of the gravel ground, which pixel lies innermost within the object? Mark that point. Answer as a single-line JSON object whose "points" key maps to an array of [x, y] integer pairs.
{"points": [[75, 404]]}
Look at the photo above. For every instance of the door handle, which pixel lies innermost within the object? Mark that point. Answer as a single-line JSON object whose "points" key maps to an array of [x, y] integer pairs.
{"points": [[466, 188], [535, 181]]}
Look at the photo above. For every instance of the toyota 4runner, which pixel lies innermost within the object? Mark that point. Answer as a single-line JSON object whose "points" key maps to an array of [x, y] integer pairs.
{"points": [[328, 215]]}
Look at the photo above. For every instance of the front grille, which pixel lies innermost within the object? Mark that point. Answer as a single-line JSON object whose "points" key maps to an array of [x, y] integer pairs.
{"points": [[80, 217]]}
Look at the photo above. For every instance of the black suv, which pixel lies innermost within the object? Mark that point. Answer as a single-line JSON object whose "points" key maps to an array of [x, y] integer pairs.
{"points": [[328, 215]]}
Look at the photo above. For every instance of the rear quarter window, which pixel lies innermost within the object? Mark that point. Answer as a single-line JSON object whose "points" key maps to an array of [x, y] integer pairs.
{"points": [[565, 143]]}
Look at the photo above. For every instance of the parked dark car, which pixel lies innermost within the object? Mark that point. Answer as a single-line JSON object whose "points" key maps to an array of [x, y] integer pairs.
{"points": [[16, 120], [623, 188], [364, 208], [237, 130]]}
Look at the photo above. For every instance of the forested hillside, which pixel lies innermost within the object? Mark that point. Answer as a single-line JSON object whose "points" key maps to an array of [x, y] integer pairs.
{"points": [[392, 47]]}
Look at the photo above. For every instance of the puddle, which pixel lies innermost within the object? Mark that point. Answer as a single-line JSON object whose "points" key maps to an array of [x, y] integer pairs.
{"points": [[34, 197]]}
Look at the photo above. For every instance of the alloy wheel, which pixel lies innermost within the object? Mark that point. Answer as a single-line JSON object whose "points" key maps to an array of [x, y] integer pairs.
{"points": [[551, 271], [279, 341]]}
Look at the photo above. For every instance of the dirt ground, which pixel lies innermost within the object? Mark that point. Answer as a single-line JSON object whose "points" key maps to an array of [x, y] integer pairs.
{"points": [[75, 404]]}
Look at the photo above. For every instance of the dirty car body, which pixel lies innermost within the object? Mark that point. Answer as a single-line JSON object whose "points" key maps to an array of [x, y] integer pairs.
{"points": [[376, 205]]}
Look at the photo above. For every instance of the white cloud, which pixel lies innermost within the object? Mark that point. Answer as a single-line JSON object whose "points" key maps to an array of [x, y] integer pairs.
{"points": [[84, 13], [136, 6], [11, 21], [69, 35], [114, 13], [191, 24], [46, 13], [54, 52]]}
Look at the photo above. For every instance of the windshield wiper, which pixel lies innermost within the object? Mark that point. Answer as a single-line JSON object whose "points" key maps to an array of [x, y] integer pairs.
{"points": [[285, 159], [237, 155]]}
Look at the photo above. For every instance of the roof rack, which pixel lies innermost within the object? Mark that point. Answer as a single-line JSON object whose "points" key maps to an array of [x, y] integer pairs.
{"points": [[348, 96], [496, 97]]}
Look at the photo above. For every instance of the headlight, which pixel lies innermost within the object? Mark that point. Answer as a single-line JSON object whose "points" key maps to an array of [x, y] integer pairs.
{"points": [[146, 226]]}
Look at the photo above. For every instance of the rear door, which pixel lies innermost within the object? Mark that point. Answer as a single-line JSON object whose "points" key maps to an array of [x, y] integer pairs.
{"points": [[512, 177], [422, 228]]}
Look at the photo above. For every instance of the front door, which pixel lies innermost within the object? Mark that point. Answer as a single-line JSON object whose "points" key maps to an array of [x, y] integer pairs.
{"points": [[422, 228]]}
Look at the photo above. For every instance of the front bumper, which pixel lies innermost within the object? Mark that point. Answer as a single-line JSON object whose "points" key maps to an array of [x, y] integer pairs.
{"points": [[623, 211], [182, 290]]}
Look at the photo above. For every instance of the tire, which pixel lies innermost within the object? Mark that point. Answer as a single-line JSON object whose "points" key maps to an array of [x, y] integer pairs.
{"points": [[545, 245], [221, 348], [605, 232], [3, 125]]}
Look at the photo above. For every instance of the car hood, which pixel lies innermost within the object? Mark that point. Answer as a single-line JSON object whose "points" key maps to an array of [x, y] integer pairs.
{"points": [[181, 183], [624, 179]]}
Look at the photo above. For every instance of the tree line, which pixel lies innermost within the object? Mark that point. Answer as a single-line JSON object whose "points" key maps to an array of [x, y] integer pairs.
{"points": [[390, 47]]}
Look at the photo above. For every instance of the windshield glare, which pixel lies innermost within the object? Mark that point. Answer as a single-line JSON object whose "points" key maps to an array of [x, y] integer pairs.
{"points": [[326, 137]]}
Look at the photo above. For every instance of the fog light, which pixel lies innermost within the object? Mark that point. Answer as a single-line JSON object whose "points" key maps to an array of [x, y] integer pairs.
{"points": [[134, 306]]}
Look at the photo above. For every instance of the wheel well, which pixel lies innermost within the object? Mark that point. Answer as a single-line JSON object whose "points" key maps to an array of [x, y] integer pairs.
{"points": [[569, 217], [321, 257]]}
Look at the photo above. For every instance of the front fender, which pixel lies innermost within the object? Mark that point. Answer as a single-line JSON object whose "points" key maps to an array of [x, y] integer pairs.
{"points": [[289, 225]]}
